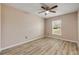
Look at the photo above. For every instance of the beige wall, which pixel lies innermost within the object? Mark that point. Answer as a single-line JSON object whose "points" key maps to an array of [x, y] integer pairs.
{"points": [[69, 27], [0, 26], [78, 28], [17, 24]]}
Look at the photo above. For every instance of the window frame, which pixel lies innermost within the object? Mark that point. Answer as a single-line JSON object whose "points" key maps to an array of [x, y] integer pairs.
{"points": [[54, 26]]}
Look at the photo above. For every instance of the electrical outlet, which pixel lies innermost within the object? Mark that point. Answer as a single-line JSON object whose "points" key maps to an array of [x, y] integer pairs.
{"points": [[25, 37]]}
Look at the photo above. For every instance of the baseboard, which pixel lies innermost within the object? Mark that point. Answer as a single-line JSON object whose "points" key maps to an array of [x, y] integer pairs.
{"points": [[63, 39], [21, 43]]}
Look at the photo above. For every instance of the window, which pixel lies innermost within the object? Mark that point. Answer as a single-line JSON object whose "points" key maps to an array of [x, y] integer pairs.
{"points": [[56, 27]]}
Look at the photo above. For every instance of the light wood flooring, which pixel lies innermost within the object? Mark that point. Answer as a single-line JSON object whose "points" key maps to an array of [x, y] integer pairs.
{"points": [[44, 46]]}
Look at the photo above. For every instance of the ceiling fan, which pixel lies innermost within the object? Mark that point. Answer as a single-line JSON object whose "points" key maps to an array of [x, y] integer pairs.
{"points": [[47, 9]]}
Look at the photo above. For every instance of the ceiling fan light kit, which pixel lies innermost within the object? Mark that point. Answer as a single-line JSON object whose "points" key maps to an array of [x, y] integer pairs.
{"points": [[47, 9], [47, 12]]}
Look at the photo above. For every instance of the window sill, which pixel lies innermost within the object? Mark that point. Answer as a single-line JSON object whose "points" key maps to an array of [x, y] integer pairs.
{"points": [[57, 34]]}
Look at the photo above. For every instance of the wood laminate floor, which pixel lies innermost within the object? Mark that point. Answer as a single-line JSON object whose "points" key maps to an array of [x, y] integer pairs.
{"points": [[45, 46]]}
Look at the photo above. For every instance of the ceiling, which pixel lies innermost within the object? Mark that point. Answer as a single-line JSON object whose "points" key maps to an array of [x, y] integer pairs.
{"points": [[63, 8]]}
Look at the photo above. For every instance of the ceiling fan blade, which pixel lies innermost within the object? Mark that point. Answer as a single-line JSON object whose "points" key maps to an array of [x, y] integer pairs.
{"points": [[43, 7], [53, 11], [41, 11], [54, 7]]}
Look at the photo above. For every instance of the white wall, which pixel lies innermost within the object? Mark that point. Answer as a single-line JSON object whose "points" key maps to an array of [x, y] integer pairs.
{"points": [[0, 26], [69, 27], [17, 24]]}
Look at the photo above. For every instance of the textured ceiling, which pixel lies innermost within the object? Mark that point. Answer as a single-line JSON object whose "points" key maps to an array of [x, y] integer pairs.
{"points": [[63, 8]]}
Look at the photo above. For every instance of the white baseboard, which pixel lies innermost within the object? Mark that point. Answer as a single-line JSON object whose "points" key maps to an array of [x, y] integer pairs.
{"points": [[63, 39], [21, 43]]}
